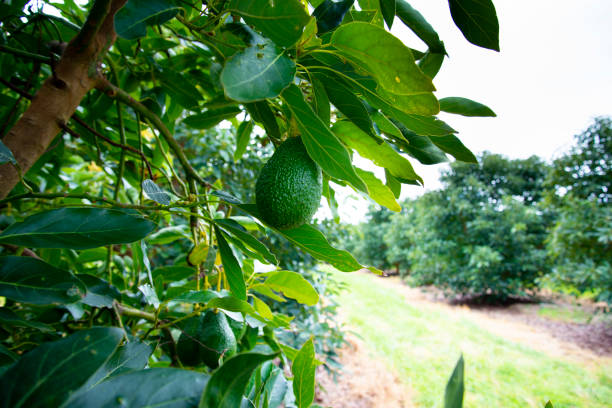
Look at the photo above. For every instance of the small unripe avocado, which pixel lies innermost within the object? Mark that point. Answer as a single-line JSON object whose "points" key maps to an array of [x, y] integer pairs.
{"points": [[205, 339], [289, 187]]}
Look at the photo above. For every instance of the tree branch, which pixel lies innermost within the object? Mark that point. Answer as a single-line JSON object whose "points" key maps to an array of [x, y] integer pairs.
{"points": [[58, 98], [119, 94]]}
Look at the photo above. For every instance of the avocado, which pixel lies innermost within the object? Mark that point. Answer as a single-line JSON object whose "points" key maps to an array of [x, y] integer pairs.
{"points": [[205, 339], [289, 187]]}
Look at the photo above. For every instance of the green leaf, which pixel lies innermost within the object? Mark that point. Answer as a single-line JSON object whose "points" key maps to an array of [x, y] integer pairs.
{"points": [[280, 21], [155, 387], [322, 145], [250, 241], [127, 357], [320, 100], [168, 234], [389, 61], [477, 20], [378, 191], [211, 117], [292, 285], [77, 228], [549, 405], [179, 88], [243, 136], [231, 267], [417, 23], [6, 156], [382, 155], [47, 375], [453, 395], [329, 14], [431, 63], [303, 369], [420, 147], [348, 104], [9, 318], [231, 304], [387, 7], [132, 19], [173, 273], [465, 107], [155, 193], [99, 292], [452, 145], [393, 183], [30, 280], [261, 113], [196, 296], [258, 72], [228, 382]]}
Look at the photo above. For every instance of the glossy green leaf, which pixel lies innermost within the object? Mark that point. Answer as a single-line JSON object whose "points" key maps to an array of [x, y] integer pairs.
{"points": [[168, 235], [235, 229], [127, 357], [477, 20], [378, 191], [431, 63], [211, 117], [389, 61], [393, 183], [6, 156], [243, 136], [382, 155], [231, 267], [452, 145], [320, 100], [132, 19], [259, 72], [465, 107], [303, 369], [77, 228], [47, 375], [155, 193], [387, 7], [155, 387], [261, 113], [420, 147], [173, 273], [348, 104], [422, 125], [9, 318], [280, 21], [181, 89], [196, 296], [322, 145], [453, 394], [292, 285], [30, 280], [231, 304], [417, 23], [228, 382], [99, 292], [329, 14]]}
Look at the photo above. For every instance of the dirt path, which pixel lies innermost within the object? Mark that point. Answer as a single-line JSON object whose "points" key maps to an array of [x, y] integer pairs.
{"points": [[557, 339], [367, 382]]}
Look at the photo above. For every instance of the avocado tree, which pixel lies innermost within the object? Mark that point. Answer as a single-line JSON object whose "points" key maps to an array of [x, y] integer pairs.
{"points": [[130, 272]]}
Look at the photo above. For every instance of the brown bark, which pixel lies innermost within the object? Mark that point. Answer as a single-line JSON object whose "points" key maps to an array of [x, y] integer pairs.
{"points": [[55, 102]]}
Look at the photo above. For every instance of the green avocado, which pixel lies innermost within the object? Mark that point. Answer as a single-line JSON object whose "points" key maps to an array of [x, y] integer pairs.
{"points": [[289, 187], [205, 339]]}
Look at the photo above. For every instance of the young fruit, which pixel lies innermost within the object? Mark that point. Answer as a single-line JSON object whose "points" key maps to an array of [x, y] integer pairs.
{"points": [[205, 339], [288, 190]]}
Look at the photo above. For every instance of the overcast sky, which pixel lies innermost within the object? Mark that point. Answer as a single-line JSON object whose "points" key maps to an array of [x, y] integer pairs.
{"points": [[551, 78]]}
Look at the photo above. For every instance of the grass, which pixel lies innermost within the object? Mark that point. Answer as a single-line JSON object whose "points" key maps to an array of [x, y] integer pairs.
{"points": [[565, 314], [422, 346]]}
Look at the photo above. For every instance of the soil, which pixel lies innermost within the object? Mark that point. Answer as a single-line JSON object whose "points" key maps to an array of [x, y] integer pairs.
{"points": [[589, 344]]}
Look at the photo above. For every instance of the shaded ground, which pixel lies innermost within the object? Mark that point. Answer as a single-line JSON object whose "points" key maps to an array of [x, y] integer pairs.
{"points": [[368, 382]]}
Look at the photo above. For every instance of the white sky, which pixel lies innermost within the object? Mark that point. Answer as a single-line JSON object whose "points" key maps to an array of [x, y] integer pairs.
{"points": [[551, 78]]}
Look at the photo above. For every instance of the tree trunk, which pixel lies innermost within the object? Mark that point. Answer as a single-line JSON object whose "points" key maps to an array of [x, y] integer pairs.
{"points": [[74, 76]]}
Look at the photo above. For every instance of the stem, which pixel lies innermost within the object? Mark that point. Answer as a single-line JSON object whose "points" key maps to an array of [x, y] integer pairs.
{"points": [[25, 54], [133, 312], [122, 158]]}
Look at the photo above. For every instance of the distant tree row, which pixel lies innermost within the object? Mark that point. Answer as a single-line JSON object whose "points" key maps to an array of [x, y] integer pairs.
{"points": [[500, 228]]}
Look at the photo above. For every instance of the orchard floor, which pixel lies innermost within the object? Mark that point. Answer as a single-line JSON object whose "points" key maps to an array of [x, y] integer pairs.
{"points": [[406, 342]]}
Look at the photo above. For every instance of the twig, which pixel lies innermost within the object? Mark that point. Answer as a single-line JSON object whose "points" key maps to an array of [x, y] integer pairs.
{"points": [[25, 54], [24, 251]]}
